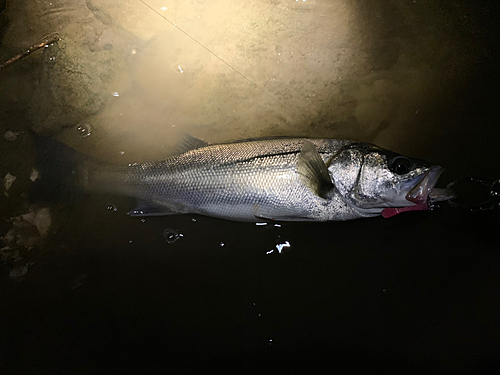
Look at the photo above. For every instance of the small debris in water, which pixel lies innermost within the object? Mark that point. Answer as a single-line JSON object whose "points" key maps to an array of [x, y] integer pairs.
{"points": [[260, 223], [280, 247], [34, 175], [115, 94], [193, 220], [222, 244], [8, 181], [10, 136]]}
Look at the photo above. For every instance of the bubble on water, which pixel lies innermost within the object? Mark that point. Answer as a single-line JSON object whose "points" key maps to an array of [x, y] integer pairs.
{"points": [[180, 68], [83, 130], [111, 207], [172, 235]]}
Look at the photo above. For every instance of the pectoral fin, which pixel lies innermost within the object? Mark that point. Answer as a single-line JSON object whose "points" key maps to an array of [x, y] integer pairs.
{"points": [[313, 171]]}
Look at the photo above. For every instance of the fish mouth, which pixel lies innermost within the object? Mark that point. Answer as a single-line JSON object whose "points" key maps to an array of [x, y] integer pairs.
{"points": [[423, 195]]}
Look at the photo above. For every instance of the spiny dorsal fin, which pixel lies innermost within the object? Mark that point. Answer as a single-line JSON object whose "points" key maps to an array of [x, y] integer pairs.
{"points": [[189, 143], [313, 171]]}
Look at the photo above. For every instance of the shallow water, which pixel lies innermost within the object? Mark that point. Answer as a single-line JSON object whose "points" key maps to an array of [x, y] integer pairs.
{"points": [[417, 292]]}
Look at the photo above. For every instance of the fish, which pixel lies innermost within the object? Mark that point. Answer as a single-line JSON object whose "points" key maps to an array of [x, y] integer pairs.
{"points": [[280, 179]]}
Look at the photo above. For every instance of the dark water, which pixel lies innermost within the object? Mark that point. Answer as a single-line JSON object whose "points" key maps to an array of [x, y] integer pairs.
{"points": [[418, 293]]}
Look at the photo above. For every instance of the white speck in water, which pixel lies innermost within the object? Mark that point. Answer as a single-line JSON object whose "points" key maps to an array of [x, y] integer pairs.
{"points": [[270, 341], [143, 220], [281, 246], [260, 224], [130, 241], [180, 68], [83, 130], [259, 315], [122, 152], [115, 94], [164, 8], [222, 244], [134, 51], [171, 235], [277, 225], [193, 220], [269, 252]]}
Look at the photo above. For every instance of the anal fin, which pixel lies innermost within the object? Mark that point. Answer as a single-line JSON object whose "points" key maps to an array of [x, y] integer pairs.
{"points": [[147, 208]]}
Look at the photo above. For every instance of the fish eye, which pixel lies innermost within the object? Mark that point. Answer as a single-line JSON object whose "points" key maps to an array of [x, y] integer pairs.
{"points": [[400, 165]]}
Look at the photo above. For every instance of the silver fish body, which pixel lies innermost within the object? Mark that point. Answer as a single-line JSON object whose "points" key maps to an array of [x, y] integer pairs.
{"points": [[286, 179]]}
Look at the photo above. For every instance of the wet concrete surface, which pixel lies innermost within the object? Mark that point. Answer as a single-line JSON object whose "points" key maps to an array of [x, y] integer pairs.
{"points": [[416, 293]]}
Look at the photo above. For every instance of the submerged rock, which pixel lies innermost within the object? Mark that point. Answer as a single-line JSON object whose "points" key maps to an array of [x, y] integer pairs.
{"points": [[74, 85]]}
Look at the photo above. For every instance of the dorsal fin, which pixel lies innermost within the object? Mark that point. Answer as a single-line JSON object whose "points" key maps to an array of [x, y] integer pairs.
{"points": [[189, 143], [313, 171]]}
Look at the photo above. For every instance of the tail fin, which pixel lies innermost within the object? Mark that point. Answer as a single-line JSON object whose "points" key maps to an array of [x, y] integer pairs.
{"points": [[62, 172]]}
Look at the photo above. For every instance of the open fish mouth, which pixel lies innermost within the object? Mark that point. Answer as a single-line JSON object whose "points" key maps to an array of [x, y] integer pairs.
{"points": [[423, 194]]}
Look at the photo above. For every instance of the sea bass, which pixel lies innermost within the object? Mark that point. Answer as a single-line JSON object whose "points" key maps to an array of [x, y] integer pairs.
{"points": [[284, 179]]}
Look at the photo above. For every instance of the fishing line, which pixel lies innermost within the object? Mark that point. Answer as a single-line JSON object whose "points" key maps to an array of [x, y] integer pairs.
{"points": [[211, 52]]}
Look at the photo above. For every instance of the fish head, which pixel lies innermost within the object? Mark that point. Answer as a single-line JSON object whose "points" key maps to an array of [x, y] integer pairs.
{"points": [[375, 181]]}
